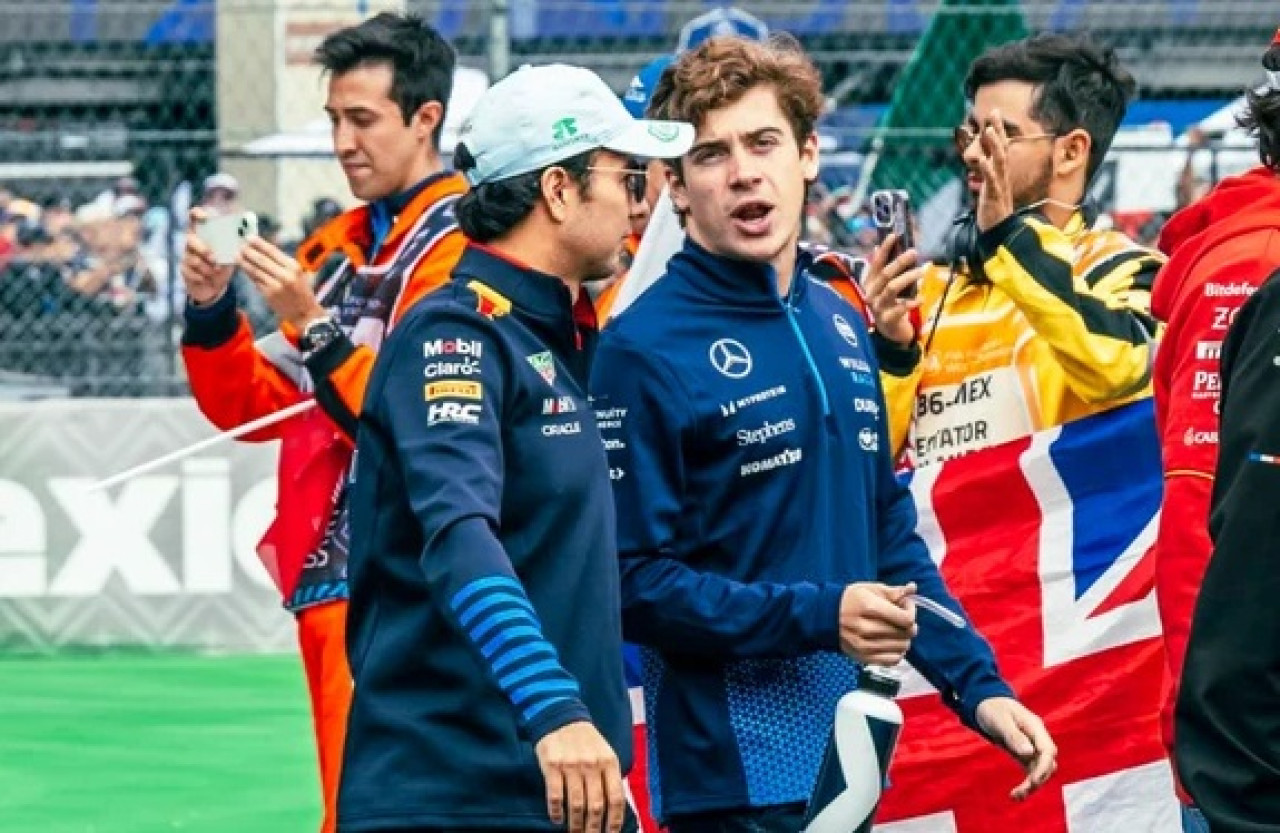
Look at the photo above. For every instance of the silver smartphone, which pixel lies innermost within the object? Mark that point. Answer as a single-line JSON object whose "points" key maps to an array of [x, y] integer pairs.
{"points": [[226, 235]]}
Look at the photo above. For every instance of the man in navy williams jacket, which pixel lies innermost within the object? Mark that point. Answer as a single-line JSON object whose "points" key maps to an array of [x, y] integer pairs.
{"points": [[766, 546]]}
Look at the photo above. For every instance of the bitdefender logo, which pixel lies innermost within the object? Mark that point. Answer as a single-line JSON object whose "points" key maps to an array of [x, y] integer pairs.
{"points": [[1228, 290]]}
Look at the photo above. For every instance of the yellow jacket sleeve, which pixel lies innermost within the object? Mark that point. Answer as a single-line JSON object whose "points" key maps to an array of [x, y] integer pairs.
{"points": [[1094, 312], [900, 372]]}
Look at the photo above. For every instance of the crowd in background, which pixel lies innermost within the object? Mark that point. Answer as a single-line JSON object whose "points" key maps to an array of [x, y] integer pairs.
{"points": [[90, 292]]}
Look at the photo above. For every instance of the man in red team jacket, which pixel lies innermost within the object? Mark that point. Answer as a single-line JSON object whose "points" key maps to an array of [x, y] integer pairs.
{"points": [[1221, 249]]}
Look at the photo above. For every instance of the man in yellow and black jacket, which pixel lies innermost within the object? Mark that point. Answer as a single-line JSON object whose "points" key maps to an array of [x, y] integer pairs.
{"points": [[1042, 316]]}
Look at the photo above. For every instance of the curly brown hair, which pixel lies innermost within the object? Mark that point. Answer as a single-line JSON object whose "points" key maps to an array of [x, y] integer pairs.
{"points": [[722, 70]]}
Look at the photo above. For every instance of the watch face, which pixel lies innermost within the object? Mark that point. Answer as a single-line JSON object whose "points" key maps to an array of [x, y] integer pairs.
{"points": [[317, 335]]}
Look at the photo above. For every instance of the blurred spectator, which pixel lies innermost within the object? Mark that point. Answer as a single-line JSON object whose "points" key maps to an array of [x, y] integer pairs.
{"points": [[854, 228], [721, 22], [56, 215], [322, 211], [1192, 186], [269, 229], [220, 193], [125, 185], [112, 265]]}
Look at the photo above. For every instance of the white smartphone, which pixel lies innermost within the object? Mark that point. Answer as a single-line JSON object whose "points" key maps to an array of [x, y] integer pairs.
{"points": [[226, 235]]}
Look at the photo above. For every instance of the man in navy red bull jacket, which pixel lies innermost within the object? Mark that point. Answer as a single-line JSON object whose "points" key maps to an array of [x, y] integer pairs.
{"points": [[484, 631], [766, 546]]}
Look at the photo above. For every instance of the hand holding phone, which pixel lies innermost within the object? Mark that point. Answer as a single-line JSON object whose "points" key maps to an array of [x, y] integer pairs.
{"points": [[226, 235], [891, 214]]}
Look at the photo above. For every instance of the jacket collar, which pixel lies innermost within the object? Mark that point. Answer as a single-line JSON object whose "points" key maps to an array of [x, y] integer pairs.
{"points": [[351, 232], [738, 283], [542, 301]]}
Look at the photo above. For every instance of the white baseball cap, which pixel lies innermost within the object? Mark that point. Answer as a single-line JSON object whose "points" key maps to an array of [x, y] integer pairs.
{"points": [[540, 115]]}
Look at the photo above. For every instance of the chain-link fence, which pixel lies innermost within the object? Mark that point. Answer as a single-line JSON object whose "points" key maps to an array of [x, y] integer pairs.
{"points": [[117, 115]]}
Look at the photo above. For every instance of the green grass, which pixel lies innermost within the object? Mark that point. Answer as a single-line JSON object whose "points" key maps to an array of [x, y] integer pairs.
{"points": [[129, 743]]}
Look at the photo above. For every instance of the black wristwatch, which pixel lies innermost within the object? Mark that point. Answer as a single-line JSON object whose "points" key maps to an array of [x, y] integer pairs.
{"points": [[318, 335]]}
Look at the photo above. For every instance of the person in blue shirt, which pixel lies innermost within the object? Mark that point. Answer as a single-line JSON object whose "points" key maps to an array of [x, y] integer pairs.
{"points": [[766, 547], [484, 629]]}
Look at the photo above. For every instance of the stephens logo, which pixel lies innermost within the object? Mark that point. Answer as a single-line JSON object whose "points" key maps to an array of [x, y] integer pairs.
{"points": [[766, 432]]}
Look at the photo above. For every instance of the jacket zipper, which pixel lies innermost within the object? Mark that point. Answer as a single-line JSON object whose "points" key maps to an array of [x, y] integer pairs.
{"points": [[804, 346]]}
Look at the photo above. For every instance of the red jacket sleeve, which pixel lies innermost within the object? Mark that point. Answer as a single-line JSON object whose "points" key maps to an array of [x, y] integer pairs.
{"points": [[232, 381]]}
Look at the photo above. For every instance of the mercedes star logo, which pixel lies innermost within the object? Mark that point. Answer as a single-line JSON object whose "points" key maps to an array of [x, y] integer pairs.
{"points": [[730, 358]]}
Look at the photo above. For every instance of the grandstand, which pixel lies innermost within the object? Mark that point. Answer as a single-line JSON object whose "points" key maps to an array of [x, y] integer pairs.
{"points": [[87, 88]]}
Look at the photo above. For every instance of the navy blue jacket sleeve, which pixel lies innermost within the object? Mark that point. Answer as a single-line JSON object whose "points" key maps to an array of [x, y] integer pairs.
{"points": [[666, 604], [443, 404], [956, 661]]}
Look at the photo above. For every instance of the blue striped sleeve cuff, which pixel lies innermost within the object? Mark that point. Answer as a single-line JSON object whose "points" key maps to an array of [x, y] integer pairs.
{"points": [[496, 616]]}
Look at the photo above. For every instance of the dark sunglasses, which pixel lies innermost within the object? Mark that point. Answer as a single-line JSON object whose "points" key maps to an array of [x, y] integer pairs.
{"points": [[635, 178]]}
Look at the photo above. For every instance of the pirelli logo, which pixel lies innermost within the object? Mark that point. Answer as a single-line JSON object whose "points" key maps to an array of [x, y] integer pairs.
{"points": [[454, 390]]}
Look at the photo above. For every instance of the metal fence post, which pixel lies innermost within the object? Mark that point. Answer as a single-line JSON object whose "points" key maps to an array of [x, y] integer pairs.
{"points": [[499, 51]]}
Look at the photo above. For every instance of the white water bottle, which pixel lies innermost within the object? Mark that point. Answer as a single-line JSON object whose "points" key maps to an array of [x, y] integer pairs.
{"points": [[856, 763]]}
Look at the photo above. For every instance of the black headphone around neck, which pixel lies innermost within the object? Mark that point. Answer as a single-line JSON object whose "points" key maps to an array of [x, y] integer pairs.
{"points": [[962, 247]]}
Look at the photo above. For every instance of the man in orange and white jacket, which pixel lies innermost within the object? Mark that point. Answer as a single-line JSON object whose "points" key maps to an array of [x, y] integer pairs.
{"points": [[1047, 318], [389, 80]]}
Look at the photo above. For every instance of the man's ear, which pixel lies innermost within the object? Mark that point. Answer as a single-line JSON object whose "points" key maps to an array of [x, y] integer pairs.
{"points": [[679, 194], [1074, 152], [427, 118], [554, 184], [809, 157]]}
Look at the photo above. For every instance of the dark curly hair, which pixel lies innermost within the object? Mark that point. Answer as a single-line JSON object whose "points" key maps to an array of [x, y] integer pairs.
{"points": [[1261, 117], [1081, 85]]}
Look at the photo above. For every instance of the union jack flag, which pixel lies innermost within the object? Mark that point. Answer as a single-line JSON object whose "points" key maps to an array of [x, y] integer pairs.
{"points": [[1047, 543]]}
